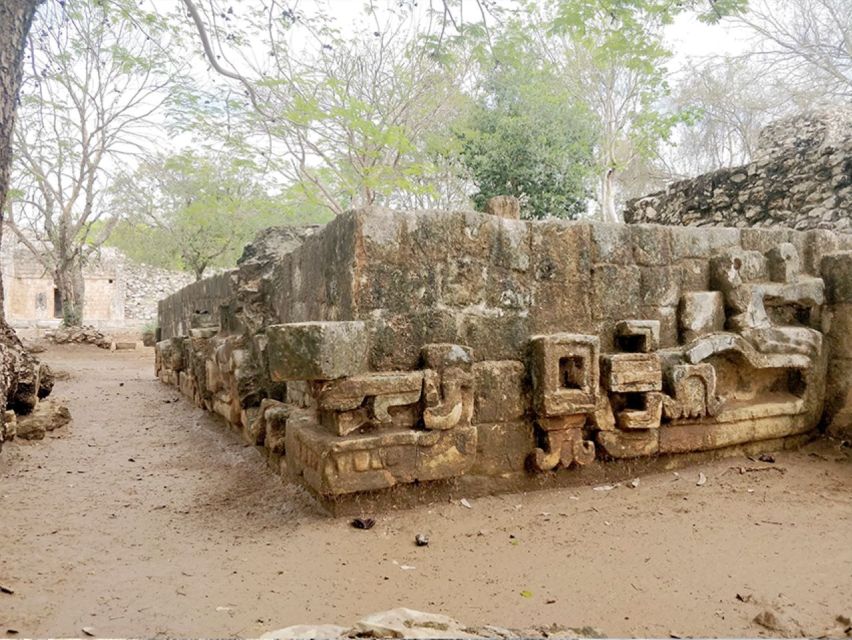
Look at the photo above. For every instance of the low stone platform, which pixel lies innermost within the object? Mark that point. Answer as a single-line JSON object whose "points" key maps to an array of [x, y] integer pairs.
{"points": [[427, 348]]}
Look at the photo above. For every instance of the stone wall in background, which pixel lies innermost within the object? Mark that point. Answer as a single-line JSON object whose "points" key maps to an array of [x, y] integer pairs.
{"points": [[399, 347], [800, 177], [145, 286]]}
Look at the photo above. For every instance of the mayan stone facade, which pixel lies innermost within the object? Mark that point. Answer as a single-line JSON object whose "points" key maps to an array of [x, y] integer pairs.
{"points": [[398, 347], [800, 177]]}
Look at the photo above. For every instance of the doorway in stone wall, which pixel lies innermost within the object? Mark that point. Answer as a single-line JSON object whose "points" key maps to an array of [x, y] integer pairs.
{"points": [[57, 303]]}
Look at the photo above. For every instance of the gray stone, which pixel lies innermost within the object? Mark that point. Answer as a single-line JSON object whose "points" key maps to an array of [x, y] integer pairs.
{"points": [[699, 313], [316, 350]]}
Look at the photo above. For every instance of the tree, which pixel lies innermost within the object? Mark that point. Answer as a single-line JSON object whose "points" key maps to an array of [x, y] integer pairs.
{"points": [[96, 80], [16, 16], [350, 120], [194, 211], [526, 136], [808, 43]]}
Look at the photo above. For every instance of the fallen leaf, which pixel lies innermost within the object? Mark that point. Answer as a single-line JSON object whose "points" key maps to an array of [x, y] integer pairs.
{"points": [[5, 589], [89, 631], [766, 457], [702, 480], [463, 502], [605, 487], [745, 598], [526, 594], [363, 523], [407, 567], [634, 483], [421, 540]]}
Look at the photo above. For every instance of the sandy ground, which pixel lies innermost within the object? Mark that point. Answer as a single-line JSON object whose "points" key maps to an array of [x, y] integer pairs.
{"points": [[147, 517]]}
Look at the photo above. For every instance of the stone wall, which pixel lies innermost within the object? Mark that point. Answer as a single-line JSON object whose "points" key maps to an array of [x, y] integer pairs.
{"points": [[800, 177], [402, 347], [196, 305], [145, 286]]}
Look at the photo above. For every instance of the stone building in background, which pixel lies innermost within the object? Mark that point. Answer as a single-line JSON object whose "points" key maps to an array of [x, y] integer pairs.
{"points": [[120, 294]]}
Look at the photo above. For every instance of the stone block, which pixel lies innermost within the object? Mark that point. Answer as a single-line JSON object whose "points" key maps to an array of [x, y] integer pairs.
{"points": [[632, 372], [837, 327], [638, 410], [499, 391], [783, 263], [347, 404], [699, 313], [629, 444], [667, 317], [334, 466], [637, 336], [503, 447], [565, 373], [836, 272], [46, 416], [504, 207], [838, 398], [660, 286], [609, 280], [447, 399], [611, 243], [441, 356], [493, 337], [563, 447], [561, 264], [316, 350], [651, 244], [396, 339]]}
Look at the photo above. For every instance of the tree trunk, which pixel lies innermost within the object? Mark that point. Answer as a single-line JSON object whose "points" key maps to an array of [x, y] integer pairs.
{"points": [[72, 292], [608, 212], [19, 371]]}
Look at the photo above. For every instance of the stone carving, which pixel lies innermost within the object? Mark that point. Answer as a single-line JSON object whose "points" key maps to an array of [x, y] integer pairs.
{"points": [[564, 444], [692, 392], [632, 372], [565, 373], [638, 336], [349, 403]]}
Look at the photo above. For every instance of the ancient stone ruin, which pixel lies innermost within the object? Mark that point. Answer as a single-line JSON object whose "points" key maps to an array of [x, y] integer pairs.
{"points": [[399, 347], [800, 177]]}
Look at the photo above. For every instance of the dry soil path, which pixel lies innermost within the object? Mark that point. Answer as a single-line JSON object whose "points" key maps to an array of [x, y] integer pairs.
{"points": [[146, 517]]}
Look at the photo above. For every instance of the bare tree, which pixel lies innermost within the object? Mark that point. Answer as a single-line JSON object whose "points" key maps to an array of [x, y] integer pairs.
{"points": [[95, 81]]}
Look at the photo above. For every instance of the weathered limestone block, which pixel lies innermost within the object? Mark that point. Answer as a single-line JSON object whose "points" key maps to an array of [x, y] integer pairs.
{"points": [[269, 427], [503, 447], [46, 416], [563, 444], [448, 398], [504, 207], [10, 424], [699, 313], [783, 263], [639, 411], [638, 336], [629, 444], [632, 372], [836, 271], [837, 327], [441, 356], [713, 343], [705, 436], [316, 350], [785, 340], [349, 403], [333, 465], [565, 373], [499, 391], [610, 278], [692, 392]]}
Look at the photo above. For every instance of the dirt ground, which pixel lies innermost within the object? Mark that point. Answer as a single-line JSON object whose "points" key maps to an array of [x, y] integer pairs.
{"points": [[147, 517]]}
